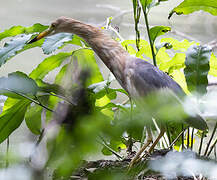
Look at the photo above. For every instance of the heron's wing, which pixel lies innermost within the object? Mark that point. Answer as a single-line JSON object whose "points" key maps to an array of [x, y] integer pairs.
{"points": [[147, 78]]}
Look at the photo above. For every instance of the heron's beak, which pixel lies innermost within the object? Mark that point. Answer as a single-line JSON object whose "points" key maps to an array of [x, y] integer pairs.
{"points": [[42, 35]]}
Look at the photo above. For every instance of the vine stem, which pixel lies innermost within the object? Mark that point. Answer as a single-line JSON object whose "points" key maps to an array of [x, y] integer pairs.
{"points": [[30, 99], [211, 148], [7, 153], [213, 133], [177, 138], [149, 37], [104, 143]]}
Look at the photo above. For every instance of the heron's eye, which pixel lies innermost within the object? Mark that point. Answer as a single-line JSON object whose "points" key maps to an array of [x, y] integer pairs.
{"points": [[53, 25]]}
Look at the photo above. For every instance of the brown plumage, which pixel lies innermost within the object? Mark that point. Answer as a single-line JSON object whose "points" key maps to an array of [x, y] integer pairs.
{"points": [[135, 75]]}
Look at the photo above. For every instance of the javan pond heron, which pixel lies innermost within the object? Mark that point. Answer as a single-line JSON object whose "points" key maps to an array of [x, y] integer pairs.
{"points": [[135, 75]]}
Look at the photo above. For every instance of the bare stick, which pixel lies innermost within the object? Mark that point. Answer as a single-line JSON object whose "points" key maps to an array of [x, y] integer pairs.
{"points": [[201, 143], [207, 147], [177, 138], [7, 153], [212, 147]]}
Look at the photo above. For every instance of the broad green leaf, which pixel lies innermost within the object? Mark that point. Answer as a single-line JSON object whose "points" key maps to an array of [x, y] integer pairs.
{"points": [[49, 64], [144, 48], [49, 88], [114, 145], [11, 48], [85, 59], [197, 68], [56, 41], [155, 3], [61, 74], [176, 63], [16, 30], [127, 44], [12, 117], [145, 3], [179, 77], [190, 6], [158, 46], [33, 119], [213, 65], [17, 82], [179, 45], [158, 31]]}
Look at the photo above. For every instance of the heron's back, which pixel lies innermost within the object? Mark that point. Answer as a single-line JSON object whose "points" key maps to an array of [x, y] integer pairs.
{"points": [[145, 78]]}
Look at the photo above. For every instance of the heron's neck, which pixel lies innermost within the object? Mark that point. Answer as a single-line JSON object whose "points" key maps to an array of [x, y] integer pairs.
{"points": [[110, 51]]}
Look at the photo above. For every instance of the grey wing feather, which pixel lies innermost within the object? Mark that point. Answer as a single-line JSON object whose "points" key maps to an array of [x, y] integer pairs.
{"points": [[147, 78]]}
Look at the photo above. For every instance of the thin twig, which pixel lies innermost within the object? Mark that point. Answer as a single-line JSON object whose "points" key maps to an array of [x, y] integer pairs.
{"points": [[188, 137], [32, 100], [130, 140], [213, 133], [211, 148], [149, 37], [37, 143], [109, 148], [192, 138], [7, 153], [61, 97], [168, 134], [175, 140], [183, 137], [212, 44], [212, 84], [201, 143]]}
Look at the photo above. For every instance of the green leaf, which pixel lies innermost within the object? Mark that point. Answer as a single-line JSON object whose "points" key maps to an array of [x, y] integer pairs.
{"points": [[190, 6], [50, 88], [161, 45], [12, 117], [86, 60], [16, 30], [179, 45], [49, 64], [56, 41], [176, 63], [155, 3], [11, 48], [197, 68], [115, 145], [145, 3], [213, 65], [17, 82], [158, 31], [33, 119], [61, 74]]}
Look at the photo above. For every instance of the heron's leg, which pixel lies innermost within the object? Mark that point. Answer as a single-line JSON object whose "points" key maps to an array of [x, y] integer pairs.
{"points": [[162, 131], [149, 141]]}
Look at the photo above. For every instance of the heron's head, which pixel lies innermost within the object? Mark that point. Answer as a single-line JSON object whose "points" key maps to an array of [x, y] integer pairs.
{"points": [[62, 24]]}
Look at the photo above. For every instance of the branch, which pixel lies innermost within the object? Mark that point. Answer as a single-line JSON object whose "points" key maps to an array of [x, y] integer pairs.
{"points": [[212, 84], [212, 44]]}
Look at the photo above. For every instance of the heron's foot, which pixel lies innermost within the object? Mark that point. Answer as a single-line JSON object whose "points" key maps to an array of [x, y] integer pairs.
{"points": [[137, 157]]}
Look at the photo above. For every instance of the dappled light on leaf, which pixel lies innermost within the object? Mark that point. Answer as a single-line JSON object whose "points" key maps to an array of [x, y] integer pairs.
{"points": [[17, 82], [56, 41], [190, 6], [12, 47], [197, 68]]}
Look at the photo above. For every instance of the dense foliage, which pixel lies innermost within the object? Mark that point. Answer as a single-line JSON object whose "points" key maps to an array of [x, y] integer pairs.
{"points": [[77, 114]]}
